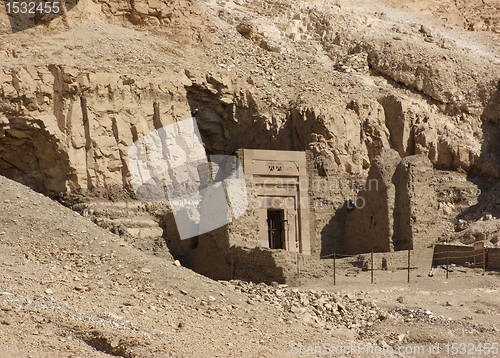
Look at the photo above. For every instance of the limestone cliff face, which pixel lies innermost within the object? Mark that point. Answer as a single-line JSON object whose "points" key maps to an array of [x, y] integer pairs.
{"points": [[65, 130], [74, 129], [291, 77]]}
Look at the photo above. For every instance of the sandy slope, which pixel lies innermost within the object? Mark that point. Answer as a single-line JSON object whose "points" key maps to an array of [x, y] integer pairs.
{"points": [[70, 289]]}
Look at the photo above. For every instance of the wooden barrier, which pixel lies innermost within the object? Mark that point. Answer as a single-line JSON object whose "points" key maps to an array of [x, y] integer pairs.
{"points": [[459, 255]]}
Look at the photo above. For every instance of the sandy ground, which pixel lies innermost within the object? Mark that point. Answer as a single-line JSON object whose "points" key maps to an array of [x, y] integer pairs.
{"points": [[71, 289]]}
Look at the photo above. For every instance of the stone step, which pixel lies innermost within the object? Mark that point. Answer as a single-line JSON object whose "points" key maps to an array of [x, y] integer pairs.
{"points": [[143, 233], [133, 215], [131, 204], [109, 208], [137, 222]]}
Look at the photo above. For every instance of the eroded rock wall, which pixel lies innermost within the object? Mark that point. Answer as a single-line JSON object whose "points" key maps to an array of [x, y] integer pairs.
{"points": [[400, 209], [284, 76], [416, 223], [75, 128], [370, 226]]}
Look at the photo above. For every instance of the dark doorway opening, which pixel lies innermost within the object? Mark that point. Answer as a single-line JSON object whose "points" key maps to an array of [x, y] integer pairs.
{"points": [[274, 231], [193, 243]]}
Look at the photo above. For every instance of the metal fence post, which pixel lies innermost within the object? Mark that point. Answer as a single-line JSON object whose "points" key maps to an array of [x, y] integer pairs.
{"points": [[447, 262], [372, 264], [334, 273], [409, 266]]}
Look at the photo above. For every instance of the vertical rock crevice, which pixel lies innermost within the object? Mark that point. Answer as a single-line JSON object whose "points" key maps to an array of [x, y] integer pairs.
{"points": [[88, 140]]}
